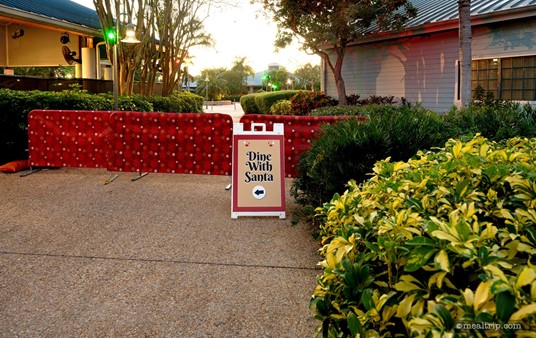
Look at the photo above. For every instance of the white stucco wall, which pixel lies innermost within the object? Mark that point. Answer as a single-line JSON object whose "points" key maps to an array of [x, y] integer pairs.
{"points": [[423, 68], [38, 47]]}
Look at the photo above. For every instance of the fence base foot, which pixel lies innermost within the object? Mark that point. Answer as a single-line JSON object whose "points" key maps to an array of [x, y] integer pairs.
{"points": [[139, 176], [32, 171]]}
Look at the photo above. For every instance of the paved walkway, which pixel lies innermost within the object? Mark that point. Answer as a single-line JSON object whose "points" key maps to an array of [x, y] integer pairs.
{"points": [[156, 257], [235, 110]]}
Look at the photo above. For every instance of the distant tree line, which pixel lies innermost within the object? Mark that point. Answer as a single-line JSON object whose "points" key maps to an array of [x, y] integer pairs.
{"points": [[217, 83]]}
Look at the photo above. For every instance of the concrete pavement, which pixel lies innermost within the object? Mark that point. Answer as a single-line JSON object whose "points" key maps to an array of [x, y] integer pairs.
{"points": [[156, 257], [235, 110]]}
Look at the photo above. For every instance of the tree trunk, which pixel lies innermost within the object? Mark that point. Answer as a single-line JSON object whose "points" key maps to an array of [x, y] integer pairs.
{"points": [[341, 88], [337, 73], [464, 12]]}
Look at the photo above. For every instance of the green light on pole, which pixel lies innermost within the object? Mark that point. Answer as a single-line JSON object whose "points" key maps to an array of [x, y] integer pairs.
{"points": [[265, 78], [110, 36]]}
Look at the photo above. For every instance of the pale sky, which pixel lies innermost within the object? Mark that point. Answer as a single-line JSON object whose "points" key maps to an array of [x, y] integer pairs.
{"points": [[242, 31]]}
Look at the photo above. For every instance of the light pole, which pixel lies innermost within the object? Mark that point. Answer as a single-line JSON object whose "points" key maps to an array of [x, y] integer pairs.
{"points": [[206, 92], [289, 83], [130, 37]]}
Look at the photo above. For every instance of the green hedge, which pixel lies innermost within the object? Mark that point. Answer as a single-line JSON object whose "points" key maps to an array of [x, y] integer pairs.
{"points": [[431, 246], [264, 101], [15, 106], [365, 110], [248, 104], [337, 111], [496, 121], [184, 102], [260, 103], [283, 107], [232, 98], [304, 102], [349, 148]]}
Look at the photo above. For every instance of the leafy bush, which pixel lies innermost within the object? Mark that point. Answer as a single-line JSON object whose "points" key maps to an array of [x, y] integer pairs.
{"points": [[260, 103], [337, 111], [15, 106], [283, 107], [232, 98], [376, 99], [303, 102], [191, 103], [265, 100], [348, 149], [496, 122], [248, 104], [184, 102], [353, 99], [131, 103], [428, 246]]}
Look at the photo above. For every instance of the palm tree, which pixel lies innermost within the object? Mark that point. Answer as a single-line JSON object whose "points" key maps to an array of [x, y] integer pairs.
{"points": [[237, 76], [212, 83], [464, 13]]}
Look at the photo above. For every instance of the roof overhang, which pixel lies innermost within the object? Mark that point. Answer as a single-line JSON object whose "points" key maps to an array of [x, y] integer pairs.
{"points": [[447, 25], [10, 14]]}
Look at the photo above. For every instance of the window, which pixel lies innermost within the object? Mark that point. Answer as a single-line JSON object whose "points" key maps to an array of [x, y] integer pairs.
{"points": [[507, 78], [486, 74]]}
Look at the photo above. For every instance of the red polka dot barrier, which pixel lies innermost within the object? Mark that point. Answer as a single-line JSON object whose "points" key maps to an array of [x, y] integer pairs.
{"points": [[185, 143], [300, 132], [68, 138]]}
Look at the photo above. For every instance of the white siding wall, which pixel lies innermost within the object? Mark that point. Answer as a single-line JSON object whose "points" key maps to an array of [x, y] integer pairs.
{"points": [[505, 40], [423, 68]]}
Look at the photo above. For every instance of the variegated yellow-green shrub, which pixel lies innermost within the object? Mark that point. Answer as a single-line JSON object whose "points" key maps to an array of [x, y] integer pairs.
{"points": [[443, 245]]}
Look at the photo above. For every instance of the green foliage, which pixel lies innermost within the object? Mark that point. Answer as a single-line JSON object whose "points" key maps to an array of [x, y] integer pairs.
{"points": [[346, 110], [282, 107], [483, 97], [260, 103], [304, 102], [277, 78], [248, 104], [15, 106], [336, 23], [428, 246], [497, 121], [232, 98], [398, 132], [348, 149], [236, 77], [183, 102], [133, 102], [216, 86], [265, 100], [306, 76]]}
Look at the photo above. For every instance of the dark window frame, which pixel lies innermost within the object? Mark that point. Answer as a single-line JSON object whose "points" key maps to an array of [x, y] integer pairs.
{"points": [[511, 78]]}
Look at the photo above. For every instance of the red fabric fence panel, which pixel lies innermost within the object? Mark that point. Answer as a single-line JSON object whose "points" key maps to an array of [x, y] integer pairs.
{"points": [[68, 138], [300, 132], [187, 143]]}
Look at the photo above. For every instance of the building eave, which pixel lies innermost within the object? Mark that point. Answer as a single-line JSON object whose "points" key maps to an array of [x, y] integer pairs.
{"points": [[447, 25], [44, 21]]}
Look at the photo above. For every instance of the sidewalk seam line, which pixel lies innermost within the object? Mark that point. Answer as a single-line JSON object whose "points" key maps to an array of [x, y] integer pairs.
{"points": [[150, 260]]}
